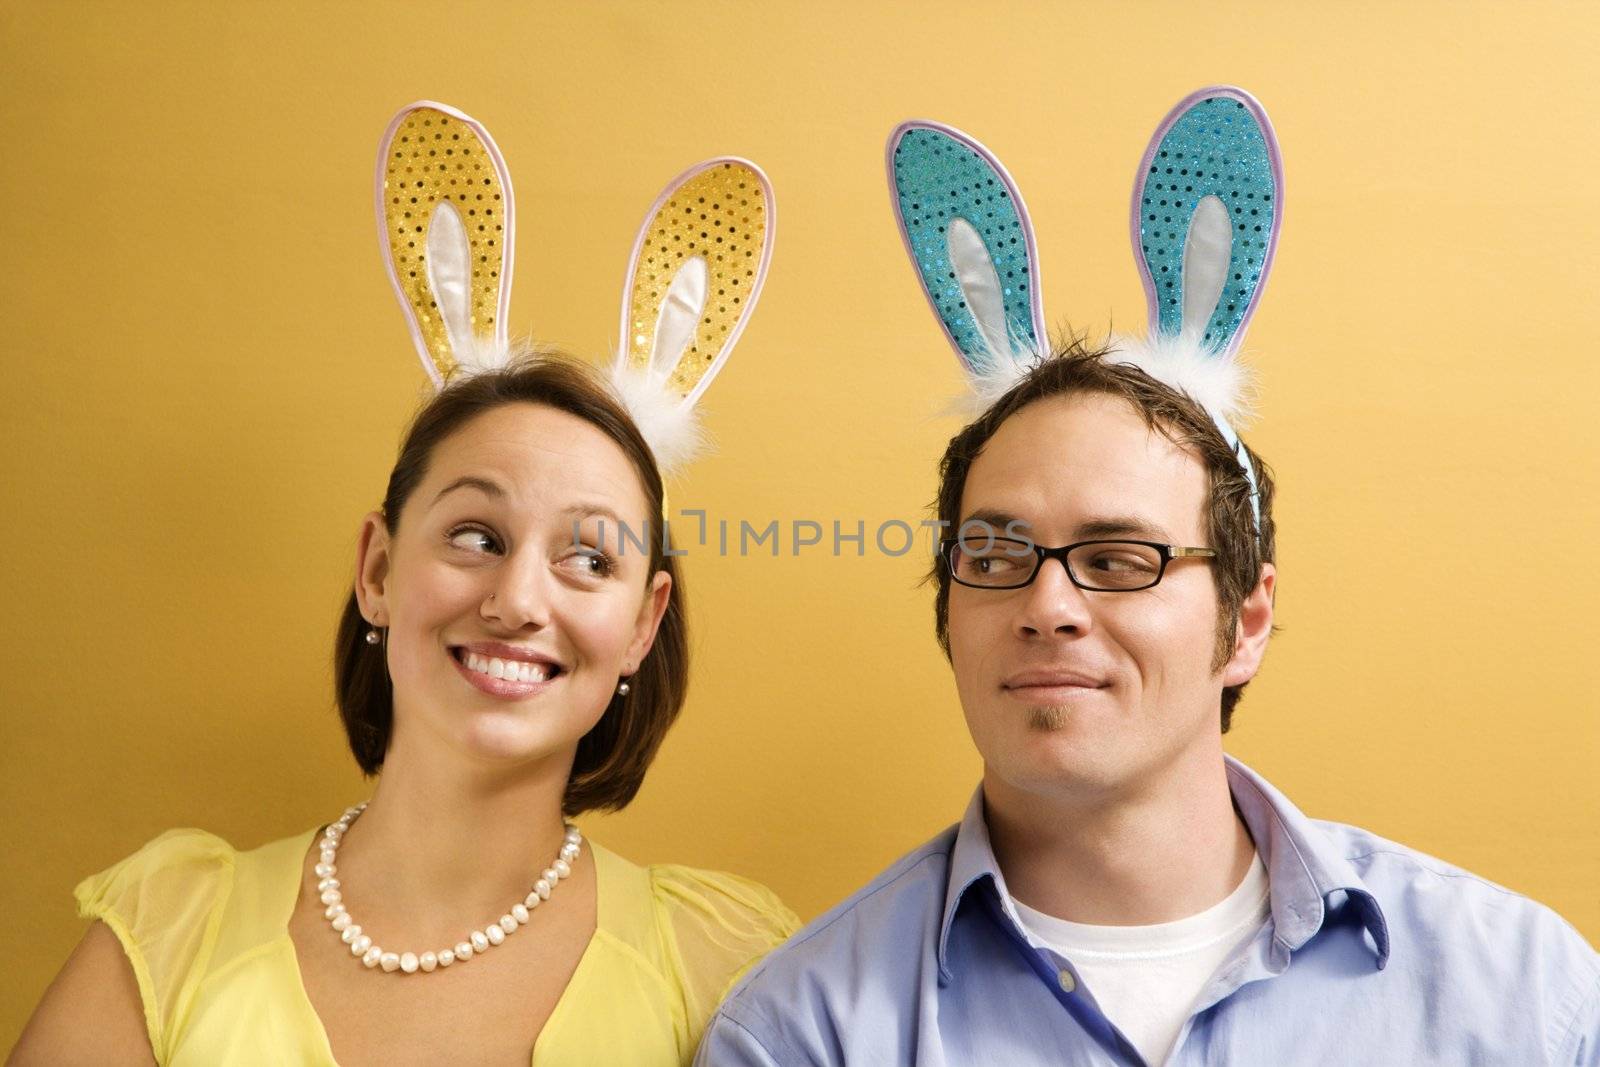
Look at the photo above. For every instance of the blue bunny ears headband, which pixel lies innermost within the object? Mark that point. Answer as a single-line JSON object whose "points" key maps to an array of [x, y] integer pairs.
{"points": [[446, 226], [1207, 209]]}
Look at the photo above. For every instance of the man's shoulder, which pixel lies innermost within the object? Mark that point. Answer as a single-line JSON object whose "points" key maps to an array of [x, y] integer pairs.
{"points": [[899, 909], [1422, 895]]}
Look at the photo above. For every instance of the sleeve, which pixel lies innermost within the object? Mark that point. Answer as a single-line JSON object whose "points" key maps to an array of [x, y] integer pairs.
{"points": [[729, 1044], [718, 925], [163, 903]]}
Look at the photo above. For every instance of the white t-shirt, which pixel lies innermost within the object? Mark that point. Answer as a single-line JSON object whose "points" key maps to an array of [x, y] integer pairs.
{"points": [[1146, 978]]}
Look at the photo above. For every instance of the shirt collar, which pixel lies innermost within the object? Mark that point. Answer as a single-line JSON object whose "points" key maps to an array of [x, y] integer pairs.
{"points": [[1304, 866]]}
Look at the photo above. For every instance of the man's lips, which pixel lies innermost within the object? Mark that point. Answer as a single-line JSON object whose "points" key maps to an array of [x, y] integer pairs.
{"points": [[1052, 679]]}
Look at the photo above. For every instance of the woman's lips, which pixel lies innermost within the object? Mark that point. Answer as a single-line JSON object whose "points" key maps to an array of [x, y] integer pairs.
{"points": [[517, 678]]}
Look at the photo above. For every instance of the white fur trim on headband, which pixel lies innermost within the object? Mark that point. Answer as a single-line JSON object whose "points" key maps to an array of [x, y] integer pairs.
{"points": [[668, 424], [1221, 384]]}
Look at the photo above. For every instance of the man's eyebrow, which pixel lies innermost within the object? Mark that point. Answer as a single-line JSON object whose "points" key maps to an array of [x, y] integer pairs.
{"points": [[470, 481], [994, 519], [1121, 526], [1108, 526]]}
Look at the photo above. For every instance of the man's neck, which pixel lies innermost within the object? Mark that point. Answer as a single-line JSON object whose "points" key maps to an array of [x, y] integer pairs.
{"points": [[1167, 849]]}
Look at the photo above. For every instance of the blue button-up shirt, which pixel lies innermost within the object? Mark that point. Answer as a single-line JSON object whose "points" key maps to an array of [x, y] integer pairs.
{"points": [[1373, 954]]}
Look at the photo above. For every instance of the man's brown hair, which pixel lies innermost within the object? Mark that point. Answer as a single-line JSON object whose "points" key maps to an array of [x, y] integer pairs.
{"points": [[1076, 367]]}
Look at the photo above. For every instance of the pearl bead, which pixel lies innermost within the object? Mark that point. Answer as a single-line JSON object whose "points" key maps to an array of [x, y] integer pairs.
{"points": [[349, 934], [331, 896], [333, 911], [370, 958], [494, 933], [447, 957], [562, 868], [327, 883], [551, 875], [542, 887], [324, 870], [359, 946], [531, 901], [509, 923], [427, 961], [480, 941], [573, 835], [569, 851], [519, 912], [408, 962], [389, 961], [342, 922], [463, 951], [329, 856]]}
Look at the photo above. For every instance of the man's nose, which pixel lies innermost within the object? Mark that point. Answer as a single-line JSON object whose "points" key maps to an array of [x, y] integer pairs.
{"points": [[1052, 604]]}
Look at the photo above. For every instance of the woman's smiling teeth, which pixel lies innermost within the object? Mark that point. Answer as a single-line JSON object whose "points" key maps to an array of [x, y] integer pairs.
{"points": [[510, 670]]}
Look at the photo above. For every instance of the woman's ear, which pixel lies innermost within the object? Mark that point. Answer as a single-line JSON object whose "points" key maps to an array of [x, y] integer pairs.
{"points": [[648, 622], [372, 569], [1255, 627]]}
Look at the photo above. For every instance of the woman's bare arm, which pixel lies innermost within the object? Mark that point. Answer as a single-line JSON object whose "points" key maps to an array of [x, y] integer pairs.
{"points": [[91, 1014]]}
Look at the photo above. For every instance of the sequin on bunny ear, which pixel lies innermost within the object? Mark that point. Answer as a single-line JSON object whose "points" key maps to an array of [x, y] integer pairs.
{"points": [[938, 179], [1216, 147], [720, 214], [434, 157]]}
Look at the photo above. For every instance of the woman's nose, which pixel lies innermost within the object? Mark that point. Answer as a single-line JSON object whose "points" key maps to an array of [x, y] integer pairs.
{"points": [[519, 595]]}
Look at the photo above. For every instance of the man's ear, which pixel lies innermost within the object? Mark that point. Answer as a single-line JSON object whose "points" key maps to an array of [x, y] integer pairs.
{"points": [[649, 619], [372, 569], [1255, 627]]}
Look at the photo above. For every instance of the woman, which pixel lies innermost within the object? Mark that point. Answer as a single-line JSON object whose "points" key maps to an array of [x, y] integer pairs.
{"points": [[505, 660]]}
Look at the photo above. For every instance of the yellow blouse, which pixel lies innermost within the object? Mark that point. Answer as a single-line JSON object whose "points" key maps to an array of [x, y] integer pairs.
{"points": [[206, 929]]}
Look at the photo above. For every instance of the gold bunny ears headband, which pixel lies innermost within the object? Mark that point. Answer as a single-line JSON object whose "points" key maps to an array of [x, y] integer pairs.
{"points": [[447, 225]]}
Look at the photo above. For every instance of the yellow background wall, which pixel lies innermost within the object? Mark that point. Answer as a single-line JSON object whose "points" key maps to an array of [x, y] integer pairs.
{"points": [[205, 374]]}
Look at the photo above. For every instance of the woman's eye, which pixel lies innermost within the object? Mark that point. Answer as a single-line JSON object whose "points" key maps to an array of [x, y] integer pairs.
{"points": [[473, 539], [591, 563]]}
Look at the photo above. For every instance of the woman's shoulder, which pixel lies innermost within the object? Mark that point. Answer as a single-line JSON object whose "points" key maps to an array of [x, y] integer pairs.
{"points": [[699, 929], [726, 908], [185, 901], [171, 871]]}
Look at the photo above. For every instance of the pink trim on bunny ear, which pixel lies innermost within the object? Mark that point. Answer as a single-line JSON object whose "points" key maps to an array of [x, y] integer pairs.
{"points": [[508, 224]]}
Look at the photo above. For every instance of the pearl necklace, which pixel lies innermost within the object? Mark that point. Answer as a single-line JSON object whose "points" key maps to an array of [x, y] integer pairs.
{"points": [[477, 942]]}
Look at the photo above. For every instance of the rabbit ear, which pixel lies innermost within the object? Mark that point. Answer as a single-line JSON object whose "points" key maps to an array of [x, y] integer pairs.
{"points": [[967, 232], [1207, 207], [697, 268], [446, 228], [696, 271]]}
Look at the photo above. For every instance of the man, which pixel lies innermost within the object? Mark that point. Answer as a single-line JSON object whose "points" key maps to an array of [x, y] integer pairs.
{"points": [[1120, 891]]}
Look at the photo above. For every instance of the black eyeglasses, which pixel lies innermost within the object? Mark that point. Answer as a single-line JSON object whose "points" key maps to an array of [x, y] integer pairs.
{"points": [[1100, 566]]}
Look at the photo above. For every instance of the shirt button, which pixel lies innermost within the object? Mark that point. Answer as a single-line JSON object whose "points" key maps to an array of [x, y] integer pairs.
{"points": [[1068, 983]]}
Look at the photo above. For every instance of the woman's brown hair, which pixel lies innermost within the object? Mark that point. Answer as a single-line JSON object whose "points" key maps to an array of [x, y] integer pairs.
{"points": [[613, 756]]}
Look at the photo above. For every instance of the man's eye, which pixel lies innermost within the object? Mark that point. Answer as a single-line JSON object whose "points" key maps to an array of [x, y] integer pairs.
{"points": [[1122, 563], [473, 539]]}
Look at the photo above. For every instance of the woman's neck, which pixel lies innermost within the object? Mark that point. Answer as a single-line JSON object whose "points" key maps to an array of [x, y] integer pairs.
{"points": [[446, 837]]}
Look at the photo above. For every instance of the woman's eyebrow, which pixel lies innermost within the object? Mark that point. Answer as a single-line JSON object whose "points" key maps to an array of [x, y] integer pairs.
{"points": [[587, 511], [471, 481]]}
